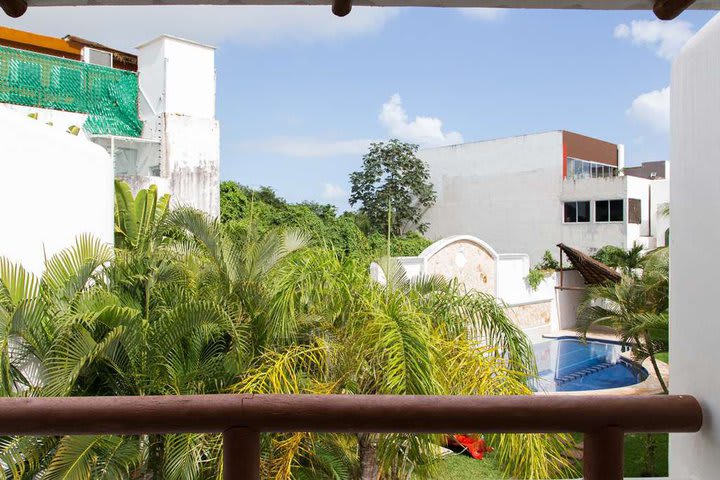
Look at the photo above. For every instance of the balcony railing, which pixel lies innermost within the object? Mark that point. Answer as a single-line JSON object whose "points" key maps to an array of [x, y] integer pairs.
{"points": [[241, 418], [108, 96]]}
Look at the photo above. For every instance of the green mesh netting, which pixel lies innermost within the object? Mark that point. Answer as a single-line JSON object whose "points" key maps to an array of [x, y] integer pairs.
{"points": [[108, 96]]}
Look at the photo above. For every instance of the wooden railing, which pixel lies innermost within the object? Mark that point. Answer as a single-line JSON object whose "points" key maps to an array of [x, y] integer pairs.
{"points": [[241, 418]]}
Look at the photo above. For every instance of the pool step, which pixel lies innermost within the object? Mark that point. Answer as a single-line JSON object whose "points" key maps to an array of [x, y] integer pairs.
{"points": [[583, 372]]}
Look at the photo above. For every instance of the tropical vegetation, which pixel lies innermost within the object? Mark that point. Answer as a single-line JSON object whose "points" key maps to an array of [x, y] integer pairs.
{"points": [[393, 178], [636, 307], [546, 266], [186, 304], [348, 234]]}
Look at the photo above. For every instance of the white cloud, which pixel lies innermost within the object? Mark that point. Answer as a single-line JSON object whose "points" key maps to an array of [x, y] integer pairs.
{"points": [[484, 14], [665, 38], [426, 131], [307, 147], [333, 192], [126, 27], [653, 109]]}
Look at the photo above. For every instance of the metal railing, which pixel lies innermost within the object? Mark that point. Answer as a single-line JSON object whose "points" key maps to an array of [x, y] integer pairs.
{"points": [[241, 418]]}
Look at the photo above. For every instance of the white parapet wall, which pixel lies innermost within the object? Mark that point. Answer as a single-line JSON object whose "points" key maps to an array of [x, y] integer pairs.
{"points": [[694, 258], [478, 267], [54, 186]]}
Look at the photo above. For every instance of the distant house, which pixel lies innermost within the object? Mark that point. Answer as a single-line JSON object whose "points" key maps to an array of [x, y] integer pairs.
{"points": [[153, 112], [531, 192], [75, 113]]}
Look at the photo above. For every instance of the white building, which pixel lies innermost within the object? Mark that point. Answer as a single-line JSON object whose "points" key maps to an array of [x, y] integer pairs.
{"points": [[529, 193], [153, 112], [74, 114]]}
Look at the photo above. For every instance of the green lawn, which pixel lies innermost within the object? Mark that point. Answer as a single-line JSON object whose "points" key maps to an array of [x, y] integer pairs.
{"points": [[637, 465], [636, 448], [663, 357], [462, 467]]}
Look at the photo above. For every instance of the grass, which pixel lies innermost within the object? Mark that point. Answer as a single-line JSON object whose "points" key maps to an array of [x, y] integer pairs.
{"points": [[637, 464], [636, 449], [463, 467]]}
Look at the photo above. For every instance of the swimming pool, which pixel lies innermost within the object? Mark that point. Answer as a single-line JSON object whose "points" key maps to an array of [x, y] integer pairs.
{"points": [[568, 364]]}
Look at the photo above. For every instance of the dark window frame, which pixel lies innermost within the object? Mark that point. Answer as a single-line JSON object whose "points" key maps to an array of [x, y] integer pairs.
{"points": [[610, 214], [576, 214]]}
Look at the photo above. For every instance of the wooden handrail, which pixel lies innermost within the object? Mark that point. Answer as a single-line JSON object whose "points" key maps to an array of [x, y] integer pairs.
{"points": [[603, 419]]}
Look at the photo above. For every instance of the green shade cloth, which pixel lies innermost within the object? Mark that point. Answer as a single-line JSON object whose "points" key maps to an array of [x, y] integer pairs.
{"points": [[108, 96]]}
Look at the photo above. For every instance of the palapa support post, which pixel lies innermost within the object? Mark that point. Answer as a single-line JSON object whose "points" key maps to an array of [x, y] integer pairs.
{"points": [[669, 9], [341, 7], [14, 8]]}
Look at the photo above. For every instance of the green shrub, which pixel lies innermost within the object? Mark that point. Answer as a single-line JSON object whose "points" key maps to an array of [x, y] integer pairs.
{"points": [[542, 269]]}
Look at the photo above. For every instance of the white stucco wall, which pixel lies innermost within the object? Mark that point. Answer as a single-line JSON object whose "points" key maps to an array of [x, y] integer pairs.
{"points": [[660, 196], [695, 263], [177, 81], [592, 236], [568, 300], [177, 76], [510, 193], [53, 187], [504, 191], [61, 120], [192, 161]]}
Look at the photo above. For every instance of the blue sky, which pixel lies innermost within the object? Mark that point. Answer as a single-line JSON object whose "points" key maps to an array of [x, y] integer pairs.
{"points": [[301, 93]]}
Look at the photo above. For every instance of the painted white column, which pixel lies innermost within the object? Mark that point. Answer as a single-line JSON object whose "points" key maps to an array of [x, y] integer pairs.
{"points": [[694, 240]]}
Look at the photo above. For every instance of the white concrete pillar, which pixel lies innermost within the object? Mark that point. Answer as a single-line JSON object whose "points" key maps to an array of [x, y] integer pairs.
{"points": [[695, 263]]}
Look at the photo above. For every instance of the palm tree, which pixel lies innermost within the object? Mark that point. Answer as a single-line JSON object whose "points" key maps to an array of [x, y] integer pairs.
{"points": [[405, 337], [636, 308], [628, 261], [184, 306]]}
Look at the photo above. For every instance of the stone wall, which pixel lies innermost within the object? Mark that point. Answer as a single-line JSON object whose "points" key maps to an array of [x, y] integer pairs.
{"points": [[530, 315], [467, 262]]}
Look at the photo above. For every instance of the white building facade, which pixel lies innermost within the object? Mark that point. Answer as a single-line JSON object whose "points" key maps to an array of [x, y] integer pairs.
{"points": [[168, 94], [529, 193], [64, 137]]}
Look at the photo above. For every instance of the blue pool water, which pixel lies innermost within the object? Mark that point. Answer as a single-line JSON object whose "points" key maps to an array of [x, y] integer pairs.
{"points": [[568, 364]]}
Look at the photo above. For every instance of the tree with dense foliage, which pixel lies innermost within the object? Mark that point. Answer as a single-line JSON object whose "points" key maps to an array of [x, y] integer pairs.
{"points": [[186, 305], [394, 178], [636, 308], [628, 261], [348, 234]]}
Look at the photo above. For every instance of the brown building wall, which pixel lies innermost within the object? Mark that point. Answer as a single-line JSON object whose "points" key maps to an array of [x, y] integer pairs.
{"points": [[590, 149]]}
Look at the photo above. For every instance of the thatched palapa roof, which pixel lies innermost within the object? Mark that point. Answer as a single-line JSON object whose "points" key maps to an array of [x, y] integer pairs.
{"points": [[593, 271]]}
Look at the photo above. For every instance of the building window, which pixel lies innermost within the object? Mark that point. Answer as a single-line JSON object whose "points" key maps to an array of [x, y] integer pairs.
{"points": [[609, 211], [579, 169], [577, 212], [634, 211]]}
